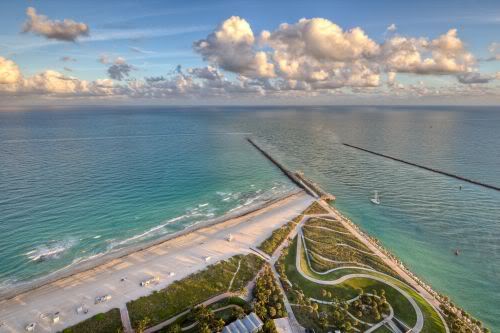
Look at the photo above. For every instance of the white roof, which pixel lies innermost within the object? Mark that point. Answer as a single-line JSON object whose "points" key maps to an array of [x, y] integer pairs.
{"points": [[248, 324], [283, 325]]}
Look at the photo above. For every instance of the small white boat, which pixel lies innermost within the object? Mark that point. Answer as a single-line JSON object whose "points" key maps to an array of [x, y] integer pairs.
{"points": [[229, 238], [376, 199]]}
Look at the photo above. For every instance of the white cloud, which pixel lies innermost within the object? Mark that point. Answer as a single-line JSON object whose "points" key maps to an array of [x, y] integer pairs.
{"points": [[392, 28], [66, 30], [309, 58], [231, 47], [443, 55], [9, 72]]}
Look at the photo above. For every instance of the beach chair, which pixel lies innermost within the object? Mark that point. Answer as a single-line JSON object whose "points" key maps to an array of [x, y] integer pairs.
{"points": [[30, 327], [102, 299]]}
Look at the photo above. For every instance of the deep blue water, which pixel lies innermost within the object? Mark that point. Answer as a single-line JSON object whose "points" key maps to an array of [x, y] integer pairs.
{"points": [[82, 182]]}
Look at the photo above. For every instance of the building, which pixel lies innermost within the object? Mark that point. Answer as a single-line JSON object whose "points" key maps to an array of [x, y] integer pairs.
{"points": [[249, 324]]}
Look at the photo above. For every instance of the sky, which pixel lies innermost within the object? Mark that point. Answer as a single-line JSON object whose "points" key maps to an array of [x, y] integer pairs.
{"points": [[249, 52]]}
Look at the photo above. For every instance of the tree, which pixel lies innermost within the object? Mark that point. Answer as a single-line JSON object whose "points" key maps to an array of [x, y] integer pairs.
{"points": [[206, 319], [238, 312], [269, 327], [272, 311]]}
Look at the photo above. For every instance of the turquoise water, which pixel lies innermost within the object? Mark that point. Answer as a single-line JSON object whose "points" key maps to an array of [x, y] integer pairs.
{"points": [[83, 182]]}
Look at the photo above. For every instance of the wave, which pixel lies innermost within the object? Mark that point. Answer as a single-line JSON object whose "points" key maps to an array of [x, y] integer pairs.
{"points": [[50, 251]]}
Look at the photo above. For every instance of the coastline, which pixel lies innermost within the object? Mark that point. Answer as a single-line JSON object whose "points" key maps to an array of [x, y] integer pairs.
{"points": [[105, 258], [170, 260]]}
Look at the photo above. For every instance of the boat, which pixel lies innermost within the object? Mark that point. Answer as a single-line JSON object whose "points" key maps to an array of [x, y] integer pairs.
{"points": [[376, 199]]}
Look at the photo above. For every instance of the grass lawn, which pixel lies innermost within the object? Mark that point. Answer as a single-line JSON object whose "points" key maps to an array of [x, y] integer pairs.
{"points": [[350, 288], [194, 289], [315, 208], [108, 322]]}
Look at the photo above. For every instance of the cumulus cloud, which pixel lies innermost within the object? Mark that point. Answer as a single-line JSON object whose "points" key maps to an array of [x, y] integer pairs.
{"points": [[231, 47], [66, 30], [208, 73], [119, 70], [311, 57], [320, 39], [9, 72], [443, 55]]}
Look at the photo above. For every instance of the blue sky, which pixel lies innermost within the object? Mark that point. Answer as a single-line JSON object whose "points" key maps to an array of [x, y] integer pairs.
{"points": [[153, 37]]}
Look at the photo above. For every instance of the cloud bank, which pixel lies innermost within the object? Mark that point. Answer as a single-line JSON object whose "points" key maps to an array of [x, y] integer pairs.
{"points": [[309, 58]]}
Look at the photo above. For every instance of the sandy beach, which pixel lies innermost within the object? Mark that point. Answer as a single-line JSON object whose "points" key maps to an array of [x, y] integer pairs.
{"points": [[181, 255]]}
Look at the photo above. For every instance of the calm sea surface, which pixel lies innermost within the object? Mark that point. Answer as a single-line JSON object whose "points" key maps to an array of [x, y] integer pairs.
{"points": [[77, 183]]}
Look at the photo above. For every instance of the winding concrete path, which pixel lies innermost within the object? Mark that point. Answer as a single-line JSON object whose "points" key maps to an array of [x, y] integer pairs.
{"points": [[420, 318], [388, 261]]}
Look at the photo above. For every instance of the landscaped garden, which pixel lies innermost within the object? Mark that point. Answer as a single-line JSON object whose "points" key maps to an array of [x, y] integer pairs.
{"points": [[355, 303], [194, 289]]}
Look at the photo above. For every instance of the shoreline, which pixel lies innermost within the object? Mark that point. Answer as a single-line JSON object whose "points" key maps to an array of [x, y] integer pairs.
{"points": [[93, 263]]}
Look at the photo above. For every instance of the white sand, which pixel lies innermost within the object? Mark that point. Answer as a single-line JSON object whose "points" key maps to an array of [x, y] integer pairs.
{"points": [[183, 256]]}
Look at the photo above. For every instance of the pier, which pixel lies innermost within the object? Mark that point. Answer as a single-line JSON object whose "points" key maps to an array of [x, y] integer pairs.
{"points": [[297, 177], [426, 168]]}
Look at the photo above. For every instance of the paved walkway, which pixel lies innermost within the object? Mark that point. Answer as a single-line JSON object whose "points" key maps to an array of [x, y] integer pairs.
{"points": [[420, 319], [127, 326], [174, 318], [388, 261]]}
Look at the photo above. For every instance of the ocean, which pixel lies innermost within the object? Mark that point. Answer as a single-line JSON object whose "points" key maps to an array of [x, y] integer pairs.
{"points": [[77, 183]]}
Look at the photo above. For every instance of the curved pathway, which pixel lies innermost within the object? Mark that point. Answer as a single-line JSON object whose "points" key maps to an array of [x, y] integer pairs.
{"points": [[420, 318], [325, 228], [333, 213], [335, 261]]}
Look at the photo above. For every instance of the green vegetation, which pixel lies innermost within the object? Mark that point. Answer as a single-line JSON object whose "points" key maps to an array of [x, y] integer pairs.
{"points": [[268, 300], [459, 321], [302, 289], [194, 289], [315, 208], [370, 308], [207, 321], [340, 245], [108, 322], [278, 236], [228, 309]]}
